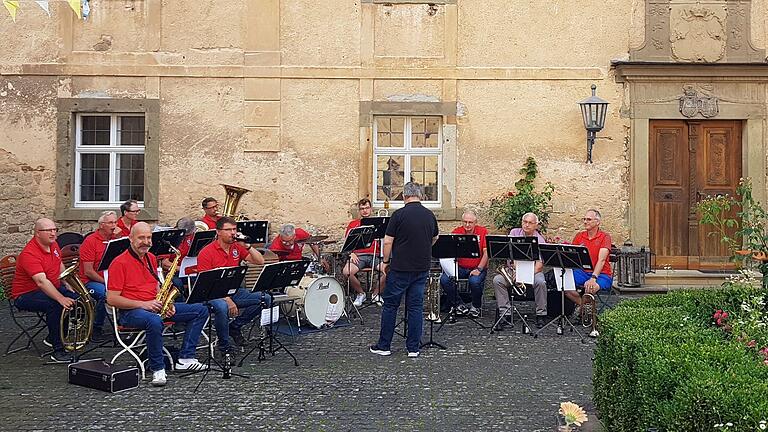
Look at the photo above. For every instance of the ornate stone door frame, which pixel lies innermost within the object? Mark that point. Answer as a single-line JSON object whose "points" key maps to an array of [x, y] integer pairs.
{"points": [[654, 91]]}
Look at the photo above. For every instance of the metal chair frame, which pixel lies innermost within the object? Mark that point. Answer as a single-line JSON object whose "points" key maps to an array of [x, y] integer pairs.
{"points": [[31, 331]]}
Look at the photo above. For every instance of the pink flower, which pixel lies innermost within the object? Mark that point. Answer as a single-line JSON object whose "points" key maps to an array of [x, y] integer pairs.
{"points": [[751, 344]]}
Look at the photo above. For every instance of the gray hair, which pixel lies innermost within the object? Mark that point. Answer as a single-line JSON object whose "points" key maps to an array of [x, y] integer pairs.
{"points": [[106, 214], [187, 224], [535, 216], [469, 212], [412, 189], [597, 213], [288, 230]]}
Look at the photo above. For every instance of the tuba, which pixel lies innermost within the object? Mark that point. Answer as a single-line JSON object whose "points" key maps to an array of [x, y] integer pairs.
{"points": [[509, 276], [76, 323], [168, 293], [432, 298], [588, 313], [231, 200]]}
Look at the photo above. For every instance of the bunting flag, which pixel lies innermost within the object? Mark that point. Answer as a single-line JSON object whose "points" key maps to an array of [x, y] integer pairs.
{"points": [[75, 5], [12, 6], [44, 4]]}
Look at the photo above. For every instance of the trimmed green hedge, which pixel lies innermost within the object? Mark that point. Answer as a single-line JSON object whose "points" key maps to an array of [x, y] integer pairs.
{"points": [[660, 363]]}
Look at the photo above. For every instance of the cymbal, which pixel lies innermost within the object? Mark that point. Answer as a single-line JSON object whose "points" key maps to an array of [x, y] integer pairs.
{"points": [[316, 239]]}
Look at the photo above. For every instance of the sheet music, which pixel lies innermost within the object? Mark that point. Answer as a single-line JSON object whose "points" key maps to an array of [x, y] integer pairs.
{"points": [[567, 278], [185, 263], [524, 271], [266, 314]]}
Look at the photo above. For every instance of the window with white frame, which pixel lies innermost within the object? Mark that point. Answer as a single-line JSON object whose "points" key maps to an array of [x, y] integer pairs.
{"points": [[407, 148], [109, 159]]}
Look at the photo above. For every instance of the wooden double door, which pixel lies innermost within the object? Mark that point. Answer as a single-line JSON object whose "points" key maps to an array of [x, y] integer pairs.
{"points": [[690, 160]]}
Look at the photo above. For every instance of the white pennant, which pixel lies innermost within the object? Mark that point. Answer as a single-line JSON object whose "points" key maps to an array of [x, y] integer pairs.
{"points": [[44, 4]]}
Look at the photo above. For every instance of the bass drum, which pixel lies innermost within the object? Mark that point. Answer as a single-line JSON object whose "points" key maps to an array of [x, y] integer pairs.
{"points": [[321, 300]]}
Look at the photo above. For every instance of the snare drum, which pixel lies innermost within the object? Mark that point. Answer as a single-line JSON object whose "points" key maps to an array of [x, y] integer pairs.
{"points": [[321, 300]]}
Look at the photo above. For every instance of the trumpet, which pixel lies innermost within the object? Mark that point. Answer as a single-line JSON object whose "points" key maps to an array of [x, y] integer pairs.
{"points": [[509, 276]]}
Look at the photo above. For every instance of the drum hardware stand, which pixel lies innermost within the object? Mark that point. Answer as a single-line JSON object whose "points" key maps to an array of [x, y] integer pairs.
{"points": [[564, 257], [456, 246]]}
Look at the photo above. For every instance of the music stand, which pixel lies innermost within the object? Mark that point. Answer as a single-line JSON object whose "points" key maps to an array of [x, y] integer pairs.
{"points": [[564, 258], [512, 249], [163, 240], [212, 285], [257, 231], [273, 276], [456, 246], [380, 223], [358, 238]]}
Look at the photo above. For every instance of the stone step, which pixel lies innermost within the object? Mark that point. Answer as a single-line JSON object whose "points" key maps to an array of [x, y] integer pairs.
{"points": [[665, 280]]}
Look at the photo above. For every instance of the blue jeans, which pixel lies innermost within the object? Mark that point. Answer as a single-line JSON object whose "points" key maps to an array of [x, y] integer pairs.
{"points": [[249, 304], [475, 287], [38, 301], [412, 285], [581, 277], [99, 293], [192, 314]]}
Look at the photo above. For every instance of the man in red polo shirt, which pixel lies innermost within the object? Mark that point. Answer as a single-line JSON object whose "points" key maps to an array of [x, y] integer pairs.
{"points": [[289, 243], [211, 209], [244, 305], [36, 286], [130, 211], [472, 269], [598, 242], [362, 258], [132, 288], [91, 251]]}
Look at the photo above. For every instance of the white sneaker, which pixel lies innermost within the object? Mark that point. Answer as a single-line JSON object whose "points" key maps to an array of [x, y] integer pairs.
{"points": [[359, 300], [413, 354], [594, 333], [158, 378], [184, 365]]}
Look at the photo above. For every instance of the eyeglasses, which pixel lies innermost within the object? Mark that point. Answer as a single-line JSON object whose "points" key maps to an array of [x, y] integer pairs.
{"points": [[133, 211], [51, 230], [211, 207], [525, 222], [589, 219]]}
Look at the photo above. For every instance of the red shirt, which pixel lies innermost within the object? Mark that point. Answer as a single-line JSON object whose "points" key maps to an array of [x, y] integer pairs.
{"points": [[214, 256], [354, 224], [480, 231], [601, 240], [185, 245], [295, 252], [91, 251], [211, 222], [32, 260], [133, 277], [124, 230]]}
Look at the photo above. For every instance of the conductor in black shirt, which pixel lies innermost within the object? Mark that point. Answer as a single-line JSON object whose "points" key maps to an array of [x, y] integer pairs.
{"points": [[411, 232]]}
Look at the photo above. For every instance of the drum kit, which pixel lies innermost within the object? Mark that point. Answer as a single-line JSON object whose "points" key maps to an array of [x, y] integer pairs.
{"points": [[320, 297]]}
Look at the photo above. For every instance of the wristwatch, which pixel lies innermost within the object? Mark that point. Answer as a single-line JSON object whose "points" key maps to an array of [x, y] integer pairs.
{"points": [[386, 262], [593, 277]]}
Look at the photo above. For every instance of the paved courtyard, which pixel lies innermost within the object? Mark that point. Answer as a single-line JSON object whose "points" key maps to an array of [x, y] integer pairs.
{"points": [[505, 381]]}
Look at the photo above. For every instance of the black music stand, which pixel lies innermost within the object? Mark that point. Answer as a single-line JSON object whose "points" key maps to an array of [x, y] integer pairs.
{"points": [[456, 246], [256, 230], [380, 223], [199, 241], [358, 238], [512, 249], [274, 276], [211, 285], [114, 248], [162, 240], [564, 257]]}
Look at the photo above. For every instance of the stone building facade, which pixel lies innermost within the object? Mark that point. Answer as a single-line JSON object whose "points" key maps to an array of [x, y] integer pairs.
{"points": [[315, 104]]}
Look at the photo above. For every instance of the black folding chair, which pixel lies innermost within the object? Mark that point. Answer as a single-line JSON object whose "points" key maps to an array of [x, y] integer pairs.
{"points": [[30, 323]]}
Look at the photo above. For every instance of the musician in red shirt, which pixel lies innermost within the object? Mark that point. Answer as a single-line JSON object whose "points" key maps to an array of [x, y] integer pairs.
{"points": [[36, 286], [130, 211], [244, 306], [472, 269], [362, 259], [132, 288], [211, 209], [91, 251], [598, 242], [289, 243]]}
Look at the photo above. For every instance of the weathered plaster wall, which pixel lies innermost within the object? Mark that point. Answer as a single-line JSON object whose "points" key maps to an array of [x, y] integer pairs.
{"points": [[320, 32]]}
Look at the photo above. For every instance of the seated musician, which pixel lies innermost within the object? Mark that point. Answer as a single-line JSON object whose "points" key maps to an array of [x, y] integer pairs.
{"points": [[129, 211], [362, 259], [91, 251], [36, 286], [244, 305], [529, 228], [211, 209], [132, 288], [598, 242], [472, 269], [289, 243]]}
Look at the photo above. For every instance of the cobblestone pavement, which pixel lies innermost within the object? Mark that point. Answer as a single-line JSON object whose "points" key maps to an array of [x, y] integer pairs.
{"points": [[505, 381]]}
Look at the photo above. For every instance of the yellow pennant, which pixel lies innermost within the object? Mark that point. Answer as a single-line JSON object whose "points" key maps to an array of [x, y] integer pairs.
{"points": [[75, 5], [12, 6]]}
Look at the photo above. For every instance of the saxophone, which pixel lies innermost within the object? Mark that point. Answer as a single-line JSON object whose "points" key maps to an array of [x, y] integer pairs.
{"points": [[168, 293], [509, 276], [76, 323]]}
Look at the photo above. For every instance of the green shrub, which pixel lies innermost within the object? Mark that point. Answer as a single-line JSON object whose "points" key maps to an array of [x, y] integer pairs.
{"points": [[661, 363]]}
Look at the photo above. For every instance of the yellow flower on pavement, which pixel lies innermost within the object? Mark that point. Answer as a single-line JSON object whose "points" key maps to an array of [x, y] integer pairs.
{"points": [[574, 414]]}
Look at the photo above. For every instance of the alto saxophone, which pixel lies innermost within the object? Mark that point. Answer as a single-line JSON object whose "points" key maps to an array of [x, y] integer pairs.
{"points": [[76, 322], [509, 276], [168, 293]]}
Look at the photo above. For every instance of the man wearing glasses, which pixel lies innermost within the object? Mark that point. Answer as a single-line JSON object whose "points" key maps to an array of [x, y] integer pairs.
{"points": [[129, 211], [289, 243], [36, 285], [471, 269], [362, 259], [91, 252], [211, 209], [598, 242]]}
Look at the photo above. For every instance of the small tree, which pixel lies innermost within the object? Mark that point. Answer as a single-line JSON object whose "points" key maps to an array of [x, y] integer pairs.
{"points": [[508, 209]]}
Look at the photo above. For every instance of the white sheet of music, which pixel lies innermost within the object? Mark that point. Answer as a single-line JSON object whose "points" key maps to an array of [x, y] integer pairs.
{"points": [[266, 314], [524, 271], [567, 279]]}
